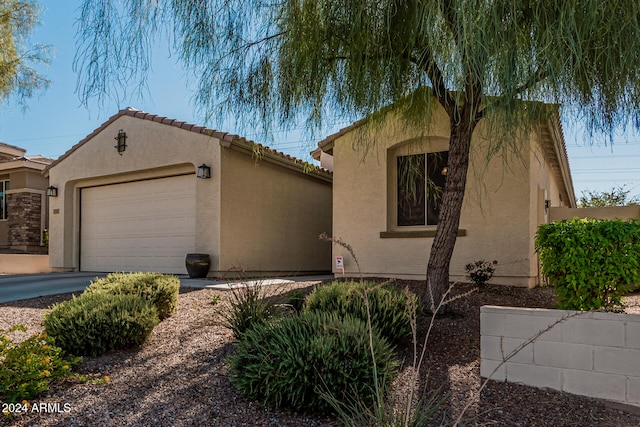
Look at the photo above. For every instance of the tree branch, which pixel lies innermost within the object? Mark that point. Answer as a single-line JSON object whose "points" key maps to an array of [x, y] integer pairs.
{"points": [[249, 45], [434, 73], [534, 79]]}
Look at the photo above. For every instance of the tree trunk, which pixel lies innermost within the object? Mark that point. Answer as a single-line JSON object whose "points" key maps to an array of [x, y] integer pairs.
{"points": [[462, 126]]}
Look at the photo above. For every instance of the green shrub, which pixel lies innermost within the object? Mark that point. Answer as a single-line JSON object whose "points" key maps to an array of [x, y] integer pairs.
{"points": [[160, 289], [29, 367], [590, 263], [388, 306], [98, 322], [290, 362], [248, 308], [295, 300]]}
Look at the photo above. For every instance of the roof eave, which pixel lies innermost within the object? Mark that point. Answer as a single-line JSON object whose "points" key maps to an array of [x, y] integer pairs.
{"points": [[262, 153]]}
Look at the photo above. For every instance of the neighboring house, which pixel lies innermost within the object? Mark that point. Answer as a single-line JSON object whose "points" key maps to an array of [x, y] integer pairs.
{"points": [[145, 206], [23, 202], [391, 232]]}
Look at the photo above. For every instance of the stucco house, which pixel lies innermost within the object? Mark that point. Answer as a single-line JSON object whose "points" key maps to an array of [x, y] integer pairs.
{"points": [[142, 191], [505, 199], [23, 201]]}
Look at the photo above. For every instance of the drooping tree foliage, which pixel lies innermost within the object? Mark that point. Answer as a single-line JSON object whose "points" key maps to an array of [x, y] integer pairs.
{"points": [[270, 63], [17, 57]]}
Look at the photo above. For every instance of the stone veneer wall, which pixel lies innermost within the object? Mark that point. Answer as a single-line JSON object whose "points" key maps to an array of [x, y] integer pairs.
{"points": [[24, 218], [592, 354]]}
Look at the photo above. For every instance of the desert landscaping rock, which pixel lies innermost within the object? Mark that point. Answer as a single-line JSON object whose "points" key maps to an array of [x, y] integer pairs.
{"points": [[180, 378]]}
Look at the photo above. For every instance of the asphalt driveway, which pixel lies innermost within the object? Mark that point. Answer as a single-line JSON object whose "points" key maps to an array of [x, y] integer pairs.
{"points": [[23, 286]]}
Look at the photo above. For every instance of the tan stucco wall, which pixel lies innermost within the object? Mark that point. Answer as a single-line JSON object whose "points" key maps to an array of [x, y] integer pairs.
{"points": [[613, 212], [500, 212], [542, 186], [153, 150], [271, 217], [28, 179], [24, 264]]}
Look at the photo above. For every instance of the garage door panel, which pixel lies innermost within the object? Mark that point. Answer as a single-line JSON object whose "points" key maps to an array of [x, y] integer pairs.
{"points": [[138, 226]]}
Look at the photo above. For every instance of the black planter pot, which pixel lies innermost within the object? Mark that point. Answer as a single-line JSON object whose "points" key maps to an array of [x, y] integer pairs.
{"points": [[197, 265]]}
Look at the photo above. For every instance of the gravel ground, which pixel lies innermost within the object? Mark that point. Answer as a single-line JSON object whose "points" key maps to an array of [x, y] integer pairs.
{"points": [[179, 377]]}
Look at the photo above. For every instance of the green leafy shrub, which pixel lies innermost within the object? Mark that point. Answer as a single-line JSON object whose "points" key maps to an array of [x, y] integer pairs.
{"points": [[248, 308], [160, 289], [28, 368], [295, 300], [288, 363], [98, 322], [388, 307], [590, 263]]}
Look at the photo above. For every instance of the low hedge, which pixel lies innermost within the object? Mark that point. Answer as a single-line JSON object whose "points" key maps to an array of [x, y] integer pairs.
{"points": [[94, 323], [591, 263], [160, 289], [388, 306]]}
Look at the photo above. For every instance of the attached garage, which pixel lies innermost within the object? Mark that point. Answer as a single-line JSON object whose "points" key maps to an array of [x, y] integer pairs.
{"points": [[144, 225], [175, 188]]}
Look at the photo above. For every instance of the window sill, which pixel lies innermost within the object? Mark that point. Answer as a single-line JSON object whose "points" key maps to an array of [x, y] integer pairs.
{"points": [[414, 234]]}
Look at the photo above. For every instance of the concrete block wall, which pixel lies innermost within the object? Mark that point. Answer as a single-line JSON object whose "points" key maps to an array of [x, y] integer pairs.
{"points": [[587, 353]]}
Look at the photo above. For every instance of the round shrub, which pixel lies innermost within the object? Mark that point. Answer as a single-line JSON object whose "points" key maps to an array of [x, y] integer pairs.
{"points": [[160, 289], [248, 307], [290, 362], [95, 323], [590, 263], [388, 307]]}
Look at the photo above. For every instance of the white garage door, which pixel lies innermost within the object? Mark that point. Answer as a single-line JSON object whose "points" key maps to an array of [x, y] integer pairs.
{"points": [[138, 226]]}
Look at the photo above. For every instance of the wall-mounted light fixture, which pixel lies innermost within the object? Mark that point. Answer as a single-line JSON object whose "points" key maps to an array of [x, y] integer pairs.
{"points": [[547, 205], [122, 141], [204, 171], [52, 191]]}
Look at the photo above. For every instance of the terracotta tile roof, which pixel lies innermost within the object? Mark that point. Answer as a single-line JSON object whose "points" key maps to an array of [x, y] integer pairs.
{"points": [[15, 147], [329, 139], [223, 136], [35, 159]]}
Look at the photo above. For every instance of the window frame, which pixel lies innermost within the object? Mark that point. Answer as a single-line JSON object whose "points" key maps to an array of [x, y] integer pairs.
{"points": [[411, 147], [4, 209]]}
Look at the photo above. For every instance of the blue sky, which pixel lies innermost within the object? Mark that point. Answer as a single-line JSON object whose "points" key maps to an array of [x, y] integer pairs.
{"points": [[55, 121]]}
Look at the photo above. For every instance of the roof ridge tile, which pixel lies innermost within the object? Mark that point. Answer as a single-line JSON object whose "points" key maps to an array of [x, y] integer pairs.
{"points": [[133, 112]]}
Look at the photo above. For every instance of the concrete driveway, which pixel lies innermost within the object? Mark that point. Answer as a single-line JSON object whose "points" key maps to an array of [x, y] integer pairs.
{"points": [[23, 286]]}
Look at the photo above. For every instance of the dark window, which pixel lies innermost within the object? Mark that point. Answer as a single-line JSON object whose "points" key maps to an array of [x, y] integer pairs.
{"points": [[4, 212], [420, 181]]}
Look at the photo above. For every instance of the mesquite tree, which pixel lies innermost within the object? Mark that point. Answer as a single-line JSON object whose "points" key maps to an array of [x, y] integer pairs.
{"points": [[17, 57], [274, 62]]}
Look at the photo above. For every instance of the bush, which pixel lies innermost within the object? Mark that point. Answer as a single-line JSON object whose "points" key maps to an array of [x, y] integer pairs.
{"points": [[98, 322], [590, 263], [295, 300], [290, 362], [480, 271], [387, 305], [248, 308], [160, 289], [29, 367]]}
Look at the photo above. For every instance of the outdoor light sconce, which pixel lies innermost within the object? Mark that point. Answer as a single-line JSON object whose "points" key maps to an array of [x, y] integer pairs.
{"points": [[52, 191], [122, 141], [204, 171], [547, 205]]}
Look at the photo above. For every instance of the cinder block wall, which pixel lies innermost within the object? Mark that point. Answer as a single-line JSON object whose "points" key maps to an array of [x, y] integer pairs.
{"points": [[587, 353]]}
